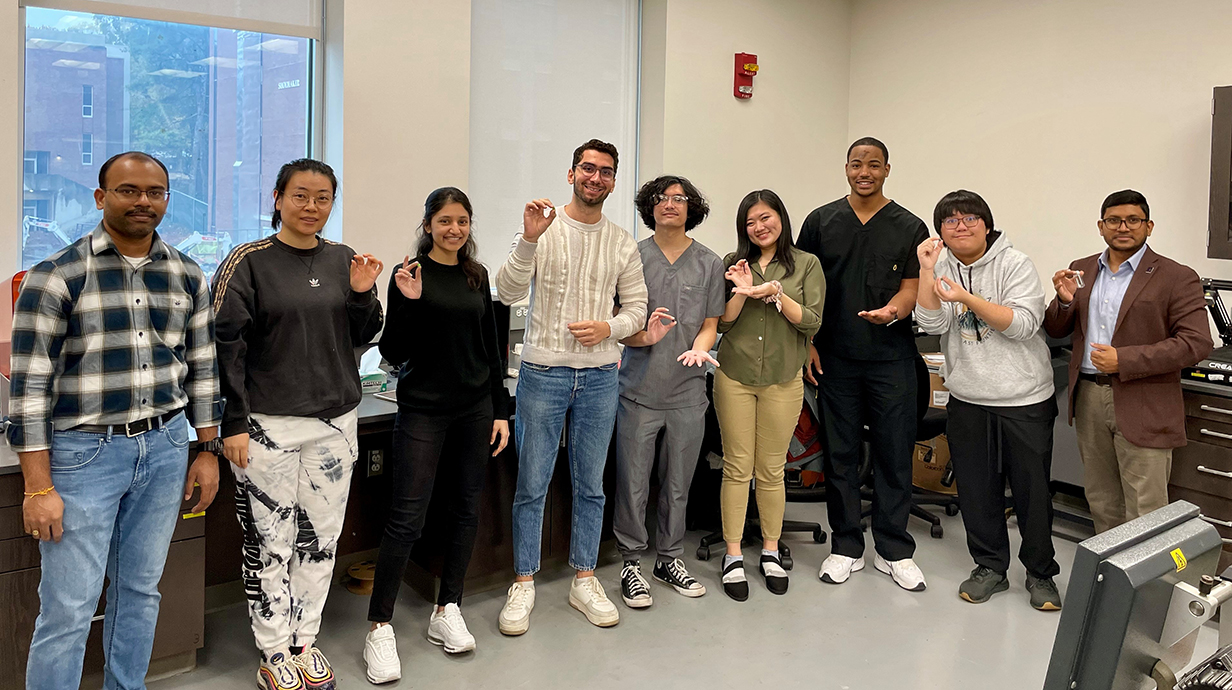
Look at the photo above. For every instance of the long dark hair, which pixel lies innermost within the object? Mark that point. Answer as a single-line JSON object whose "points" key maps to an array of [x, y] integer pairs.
{"points": [[284, 178], [746, 250], [438, 200]]}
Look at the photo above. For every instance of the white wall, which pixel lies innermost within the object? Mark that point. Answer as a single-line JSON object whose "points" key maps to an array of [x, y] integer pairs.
{"points": [[790, 137], [1044, 108], [11, 147]]}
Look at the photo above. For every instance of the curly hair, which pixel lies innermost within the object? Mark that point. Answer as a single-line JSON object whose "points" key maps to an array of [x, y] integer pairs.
{"points": [[698, 207], [601, 147]]}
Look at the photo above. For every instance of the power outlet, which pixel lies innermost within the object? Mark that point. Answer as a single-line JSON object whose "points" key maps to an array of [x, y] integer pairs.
{"points": [[376, 462]]}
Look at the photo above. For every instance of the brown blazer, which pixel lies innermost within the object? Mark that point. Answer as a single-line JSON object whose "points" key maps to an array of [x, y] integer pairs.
{"points": [[1161, 328]]}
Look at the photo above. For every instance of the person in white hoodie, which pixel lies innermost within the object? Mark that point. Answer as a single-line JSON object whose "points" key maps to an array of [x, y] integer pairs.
{"points": [[984, 298]]}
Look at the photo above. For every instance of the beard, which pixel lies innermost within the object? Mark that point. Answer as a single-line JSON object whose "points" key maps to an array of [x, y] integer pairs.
{"points": [[583, 195]]}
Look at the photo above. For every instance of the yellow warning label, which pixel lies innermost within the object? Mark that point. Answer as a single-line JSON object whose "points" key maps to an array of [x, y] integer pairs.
{"points": [[1180, 560], [188, 516]]}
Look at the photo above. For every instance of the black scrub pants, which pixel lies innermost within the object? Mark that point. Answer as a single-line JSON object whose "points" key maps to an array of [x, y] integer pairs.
{"points": [[882, 395], [987, 445]]}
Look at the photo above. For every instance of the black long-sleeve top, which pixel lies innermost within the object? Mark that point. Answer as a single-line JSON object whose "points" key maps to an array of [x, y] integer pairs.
{"points": [[447, 341], [287, 324]]}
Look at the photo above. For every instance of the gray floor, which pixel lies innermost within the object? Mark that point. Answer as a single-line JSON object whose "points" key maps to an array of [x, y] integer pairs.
{"points": [[867, 633]]}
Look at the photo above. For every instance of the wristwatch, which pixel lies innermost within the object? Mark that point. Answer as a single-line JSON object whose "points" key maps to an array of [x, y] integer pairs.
{"points": [[213, 445]]}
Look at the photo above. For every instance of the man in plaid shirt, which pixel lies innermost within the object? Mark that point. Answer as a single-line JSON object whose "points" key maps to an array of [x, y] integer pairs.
{"points": [[113, 345]]}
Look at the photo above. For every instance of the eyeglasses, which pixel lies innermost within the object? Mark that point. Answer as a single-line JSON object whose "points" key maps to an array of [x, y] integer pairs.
{"points": [[133, 194], [678, 199], [969, 221], [1114, 223], [589, 169], [300, 200]]}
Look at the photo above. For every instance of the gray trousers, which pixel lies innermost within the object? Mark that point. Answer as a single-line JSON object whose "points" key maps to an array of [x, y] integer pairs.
{"points": [[637, 427]]}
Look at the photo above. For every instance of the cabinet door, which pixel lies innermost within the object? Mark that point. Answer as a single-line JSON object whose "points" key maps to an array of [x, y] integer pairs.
{"points": [[19, 607]]}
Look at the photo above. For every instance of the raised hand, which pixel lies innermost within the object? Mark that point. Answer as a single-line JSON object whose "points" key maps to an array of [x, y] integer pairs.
{"points": [[696, 358], [882, 316], [409, 279], [659, 323], [1065, 282], [929, 252], [534, 223], [364, 270], [767, 289], [949, 291], [740, 274]]}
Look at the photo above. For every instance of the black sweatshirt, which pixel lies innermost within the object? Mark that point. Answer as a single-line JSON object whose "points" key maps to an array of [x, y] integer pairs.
{"points": [[287, 324], [447, 338]]}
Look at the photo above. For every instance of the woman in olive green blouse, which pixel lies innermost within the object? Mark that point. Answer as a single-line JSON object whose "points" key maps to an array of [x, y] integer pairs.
{"points": [[773, 311]]}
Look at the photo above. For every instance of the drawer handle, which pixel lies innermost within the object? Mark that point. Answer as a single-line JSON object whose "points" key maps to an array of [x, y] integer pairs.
{"points": [[1213, 521], [1220, 410], [1216, 434], [1217, 473]]}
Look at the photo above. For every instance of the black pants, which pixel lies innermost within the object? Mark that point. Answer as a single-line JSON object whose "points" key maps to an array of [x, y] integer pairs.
{"points": [[882, 395], [451, 452], [987, 445]]}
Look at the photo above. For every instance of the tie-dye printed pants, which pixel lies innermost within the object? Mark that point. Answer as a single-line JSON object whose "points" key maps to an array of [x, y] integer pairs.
{"points": [[291, 501]]}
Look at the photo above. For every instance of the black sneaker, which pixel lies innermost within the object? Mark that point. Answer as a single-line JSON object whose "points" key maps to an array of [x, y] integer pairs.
{"points": [[734, 583], [634, 588], [983, 583], [673, 573], [1044, 594], [776, 578]]}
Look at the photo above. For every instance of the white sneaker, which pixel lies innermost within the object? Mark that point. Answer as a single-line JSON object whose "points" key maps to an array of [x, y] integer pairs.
{"points": [[448, 629], [586, 595], [837, 568], [515, 617], [381, 655], [905, 572]]}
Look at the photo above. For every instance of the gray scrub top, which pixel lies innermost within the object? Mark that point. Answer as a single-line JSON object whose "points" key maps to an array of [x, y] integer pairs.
{"points": [[693, 290]]}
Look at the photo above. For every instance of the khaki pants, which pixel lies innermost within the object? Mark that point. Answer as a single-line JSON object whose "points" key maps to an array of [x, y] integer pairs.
{"points": [[1123, 481], [757, 423]]}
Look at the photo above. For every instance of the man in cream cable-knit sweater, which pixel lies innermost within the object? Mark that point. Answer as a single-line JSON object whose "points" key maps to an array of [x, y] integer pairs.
{"points": [[575, 265]]}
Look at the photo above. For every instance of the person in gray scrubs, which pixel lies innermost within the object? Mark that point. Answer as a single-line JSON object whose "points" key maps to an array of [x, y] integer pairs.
{"points": [[663, 384]]}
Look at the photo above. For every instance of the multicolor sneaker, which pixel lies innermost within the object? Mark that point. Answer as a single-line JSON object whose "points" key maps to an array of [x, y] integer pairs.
{"points": [[1044, 594], [315, 669], [279, 673]]}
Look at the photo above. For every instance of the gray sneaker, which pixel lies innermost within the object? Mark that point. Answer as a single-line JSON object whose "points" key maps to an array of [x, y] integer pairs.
{"points": [[983, 583], [1044, 594]]}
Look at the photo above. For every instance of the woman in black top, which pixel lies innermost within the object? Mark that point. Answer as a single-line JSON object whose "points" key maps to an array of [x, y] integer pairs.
{"points": [[451, 398]]}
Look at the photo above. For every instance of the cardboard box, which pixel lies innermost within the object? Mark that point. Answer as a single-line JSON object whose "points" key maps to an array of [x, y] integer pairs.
{"points": [[928, 465], [938, 394]]}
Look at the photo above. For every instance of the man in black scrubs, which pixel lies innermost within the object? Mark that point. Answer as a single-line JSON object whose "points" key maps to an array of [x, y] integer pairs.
{"points": [[865, 355]]}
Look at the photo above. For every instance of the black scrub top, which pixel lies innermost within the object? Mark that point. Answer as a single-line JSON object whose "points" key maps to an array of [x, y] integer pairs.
{"points": [[865, 264]]}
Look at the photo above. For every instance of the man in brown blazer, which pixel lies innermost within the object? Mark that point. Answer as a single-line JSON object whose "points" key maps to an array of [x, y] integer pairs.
{"points": [[1137, 319]]}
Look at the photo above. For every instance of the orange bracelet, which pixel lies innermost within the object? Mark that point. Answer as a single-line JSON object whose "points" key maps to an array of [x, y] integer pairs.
{"points": [[44, 492]]}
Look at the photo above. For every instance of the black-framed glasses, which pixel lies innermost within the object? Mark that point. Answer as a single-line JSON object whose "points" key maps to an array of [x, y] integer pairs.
{"points": [[589, 169], [969, 221], [678, 199], [1114, 223], [133, 194], [301, 199]]}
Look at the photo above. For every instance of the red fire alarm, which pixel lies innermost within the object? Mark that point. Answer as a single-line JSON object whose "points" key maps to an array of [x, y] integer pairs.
{"points": [[746, 69]]}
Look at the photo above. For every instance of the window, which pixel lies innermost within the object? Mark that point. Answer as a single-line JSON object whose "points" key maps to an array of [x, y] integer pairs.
{"points": [[222, 108]]}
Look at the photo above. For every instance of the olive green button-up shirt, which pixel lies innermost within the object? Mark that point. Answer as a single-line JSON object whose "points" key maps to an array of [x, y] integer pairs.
{"points": [[761, 347]]}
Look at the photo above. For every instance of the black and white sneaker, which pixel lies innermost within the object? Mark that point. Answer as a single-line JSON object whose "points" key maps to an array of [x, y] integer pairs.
{"points": [[776, 577], [673, 573], [734, 583], [633, 587]]}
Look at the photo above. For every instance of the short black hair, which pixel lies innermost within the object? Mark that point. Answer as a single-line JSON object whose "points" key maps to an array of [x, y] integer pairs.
{"points": [[139, 155], [1125, 197], [965, 202], [869, 141], [596, 145], [309, 165], [698, 208]]}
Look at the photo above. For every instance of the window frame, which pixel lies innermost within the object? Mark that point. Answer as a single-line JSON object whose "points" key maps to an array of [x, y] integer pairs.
{"points": [[87, 149], [87, 105]]}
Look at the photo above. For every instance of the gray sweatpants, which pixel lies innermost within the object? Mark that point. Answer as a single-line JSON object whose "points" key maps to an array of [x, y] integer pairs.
{"points": [[637, 427]]}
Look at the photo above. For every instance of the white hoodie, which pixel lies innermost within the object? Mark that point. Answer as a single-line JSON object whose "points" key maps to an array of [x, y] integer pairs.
{"points": [[984, 366]]}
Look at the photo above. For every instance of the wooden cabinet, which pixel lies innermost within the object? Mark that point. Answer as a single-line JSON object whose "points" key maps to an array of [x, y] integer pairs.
{"points": [[1202, 469], [181, 618]]}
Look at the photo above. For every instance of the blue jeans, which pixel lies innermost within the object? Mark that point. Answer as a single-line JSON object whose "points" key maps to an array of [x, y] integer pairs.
{"points": [[545, 394], [121, 499]]}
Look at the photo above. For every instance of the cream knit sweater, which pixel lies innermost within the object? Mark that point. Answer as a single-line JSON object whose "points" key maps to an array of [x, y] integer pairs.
{"points": [[575, 272]]}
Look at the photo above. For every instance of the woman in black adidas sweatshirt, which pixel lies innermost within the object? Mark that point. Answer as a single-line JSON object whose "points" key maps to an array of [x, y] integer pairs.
{"points": [[291, 309], [452, 416]]}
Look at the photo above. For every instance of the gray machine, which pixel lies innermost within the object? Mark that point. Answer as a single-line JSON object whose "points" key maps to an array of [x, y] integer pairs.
{"points": [[1137, 596]]}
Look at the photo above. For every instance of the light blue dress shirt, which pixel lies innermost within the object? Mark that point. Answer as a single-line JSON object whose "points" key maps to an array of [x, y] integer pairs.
{"points": [[1106, 295]]}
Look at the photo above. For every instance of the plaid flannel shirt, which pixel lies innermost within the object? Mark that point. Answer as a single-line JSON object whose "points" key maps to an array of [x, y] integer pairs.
{"points": [[96, 341]]}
